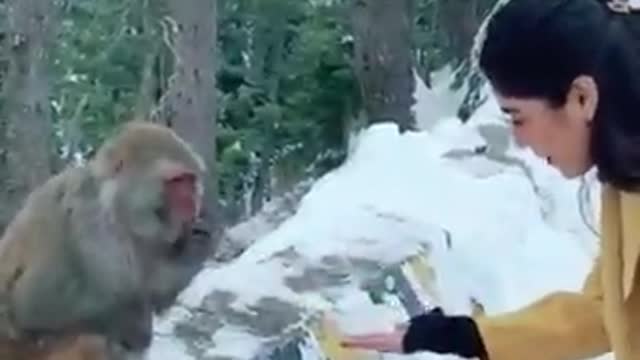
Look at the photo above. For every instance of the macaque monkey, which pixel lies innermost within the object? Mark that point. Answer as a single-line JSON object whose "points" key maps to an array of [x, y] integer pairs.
{"points": [[79, 348], [82, 347], [98, 248]]}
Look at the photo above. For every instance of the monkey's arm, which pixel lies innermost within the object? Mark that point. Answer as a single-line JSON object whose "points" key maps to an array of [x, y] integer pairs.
{"points": [[36, 274], [75, 282], [562, 326], [184, 260], [79, 348], [114, 299], [88, 280]]}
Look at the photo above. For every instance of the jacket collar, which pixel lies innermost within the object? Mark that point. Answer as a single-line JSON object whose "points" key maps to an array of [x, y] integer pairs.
{"points": [[621, 224]]}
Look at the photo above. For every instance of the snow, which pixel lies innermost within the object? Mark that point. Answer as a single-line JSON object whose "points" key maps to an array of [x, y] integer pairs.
{"points": [[515, 234], [436, 103]]}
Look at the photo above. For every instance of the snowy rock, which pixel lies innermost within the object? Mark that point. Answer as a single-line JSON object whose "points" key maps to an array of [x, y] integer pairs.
{"points": [[490, 239]]}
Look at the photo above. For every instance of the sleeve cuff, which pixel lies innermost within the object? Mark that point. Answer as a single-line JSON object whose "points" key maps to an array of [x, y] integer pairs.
{"points": [[444, 335]]}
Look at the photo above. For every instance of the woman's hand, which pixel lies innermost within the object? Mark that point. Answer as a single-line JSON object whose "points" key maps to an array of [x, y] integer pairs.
{"points": [[433, 331], [382, 342]]}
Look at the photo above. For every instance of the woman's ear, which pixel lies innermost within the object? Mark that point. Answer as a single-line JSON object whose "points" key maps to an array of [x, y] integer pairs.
{"points": [[582, 99]]}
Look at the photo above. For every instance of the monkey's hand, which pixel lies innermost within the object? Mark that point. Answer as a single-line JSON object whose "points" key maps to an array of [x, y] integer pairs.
{"points": [[132, 326], [182, 262], [194, 246]]}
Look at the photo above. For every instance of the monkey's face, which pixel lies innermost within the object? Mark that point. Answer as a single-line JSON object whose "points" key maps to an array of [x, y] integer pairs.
{"points": [[160, 202], [181, 191]]}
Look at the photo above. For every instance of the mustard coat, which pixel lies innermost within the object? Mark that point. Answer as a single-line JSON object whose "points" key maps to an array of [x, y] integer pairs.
{"points": [[604, 317]]}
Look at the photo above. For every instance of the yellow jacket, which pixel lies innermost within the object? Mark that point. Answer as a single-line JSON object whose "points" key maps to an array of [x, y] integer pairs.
{"points": [[604, 317]]}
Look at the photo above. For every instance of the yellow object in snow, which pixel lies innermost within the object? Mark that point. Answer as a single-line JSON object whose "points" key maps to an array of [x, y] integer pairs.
{"points": [[329, 337]]}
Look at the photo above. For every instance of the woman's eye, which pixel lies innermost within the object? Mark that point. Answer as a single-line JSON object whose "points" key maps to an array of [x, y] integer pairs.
{"points": [[516, 122]]}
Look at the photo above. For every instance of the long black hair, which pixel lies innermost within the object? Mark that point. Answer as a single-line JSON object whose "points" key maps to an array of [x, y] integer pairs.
{"points": [[536, 49]]}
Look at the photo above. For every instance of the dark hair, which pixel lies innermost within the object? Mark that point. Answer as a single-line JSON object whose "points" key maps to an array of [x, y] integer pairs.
{"points": [[537, 48]]}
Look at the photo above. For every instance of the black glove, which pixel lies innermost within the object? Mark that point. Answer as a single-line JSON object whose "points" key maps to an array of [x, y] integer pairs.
{"points": [[442, 334]]}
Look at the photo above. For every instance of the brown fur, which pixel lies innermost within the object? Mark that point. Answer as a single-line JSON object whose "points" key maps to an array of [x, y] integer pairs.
{"points": [[85, 347], [82, 256], [80, 348]]}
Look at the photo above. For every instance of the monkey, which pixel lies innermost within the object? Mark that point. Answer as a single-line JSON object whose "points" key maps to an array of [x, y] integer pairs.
{"points": [[173, 272], [98, 248], [81, 347]]}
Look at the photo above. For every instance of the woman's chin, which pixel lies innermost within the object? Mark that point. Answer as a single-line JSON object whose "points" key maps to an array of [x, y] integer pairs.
{"points": [[570, 172]]}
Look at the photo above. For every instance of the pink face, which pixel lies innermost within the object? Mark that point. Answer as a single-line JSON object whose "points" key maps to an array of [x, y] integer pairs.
{"points": [[182, 195], [182, 190]]}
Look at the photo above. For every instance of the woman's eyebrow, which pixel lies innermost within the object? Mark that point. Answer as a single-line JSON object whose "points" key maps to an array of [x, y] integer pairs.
{"points": [[509, 110]]}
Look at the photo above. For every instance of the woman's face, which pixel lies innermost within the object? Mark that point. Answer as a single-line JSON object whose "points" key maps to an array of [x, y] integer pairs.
{"points": [[561, 135]]}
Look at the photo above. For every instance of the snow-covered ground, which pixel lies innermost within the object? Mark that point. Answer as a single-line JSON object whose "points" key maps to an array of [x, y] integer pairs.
{"points": [[514, 233], [436, 103]]}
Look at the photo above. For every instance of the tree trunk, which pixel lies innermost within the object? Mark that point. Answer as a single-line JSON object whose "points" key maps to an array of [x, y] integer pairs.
{"points": [[268, 53], [3, 51], [189, 106], [148, 86], [149, 83], [383, 59], [460, 19], [28, 155]]}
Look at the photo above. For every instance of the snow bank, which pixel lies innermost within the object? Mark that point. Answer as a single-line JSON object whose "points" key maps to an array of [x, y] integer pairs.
{"points": [[438, 102], [502, 229]]}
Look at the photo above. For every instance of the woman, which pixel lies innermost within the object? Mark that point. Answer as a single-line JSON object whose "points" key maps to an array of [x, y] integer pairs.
{"points": [[568, 74]]}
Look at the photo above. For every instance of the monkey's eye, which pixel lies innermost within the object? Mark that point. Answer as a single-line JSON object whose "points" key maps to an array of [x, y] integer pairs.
{"points": [[185, 176]]}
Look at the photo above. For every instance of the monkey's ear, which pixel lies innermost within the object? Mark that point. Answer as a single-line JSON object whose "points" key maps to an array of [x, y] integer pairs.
{"points": [[112, 167], [108, 162]]}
